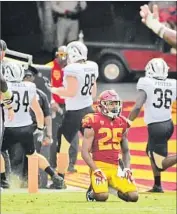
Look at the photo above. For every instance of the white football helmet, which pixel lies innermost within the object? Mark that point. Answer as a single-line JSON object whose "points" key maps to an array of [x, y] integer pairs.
{"points": [[76, 51], [13, 72], [157, 68]]}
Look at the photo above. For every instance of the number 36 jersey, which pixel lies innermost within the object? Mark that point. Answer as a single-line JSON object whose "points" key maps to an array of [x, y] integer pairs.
{"points": [[108, 135], [86, 74], [160, 96], [23, 94]]}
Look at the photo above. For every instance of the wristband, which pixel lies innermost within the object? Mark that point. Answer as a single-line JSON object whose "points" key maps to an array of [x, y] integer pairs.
{"points": [[153, 24], [162, 31]]}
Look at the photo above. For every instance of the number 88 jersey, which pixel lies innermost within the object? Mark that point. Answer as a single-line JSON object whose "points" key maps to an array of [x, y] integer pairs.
{"points": [[86, 74], [23, 94], [160, 96]]}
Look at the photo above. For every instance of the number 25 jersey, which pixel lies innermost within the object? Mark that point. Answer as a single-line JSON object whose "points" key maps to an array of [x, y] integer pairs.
{"points": [[86, 74], [160, 96], [23, 94], [108, 135]]}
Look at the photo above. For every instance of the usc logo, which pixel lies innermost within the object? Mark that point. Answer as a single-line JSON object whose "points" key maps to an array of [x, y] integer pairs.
{"points": [[56, 74]]}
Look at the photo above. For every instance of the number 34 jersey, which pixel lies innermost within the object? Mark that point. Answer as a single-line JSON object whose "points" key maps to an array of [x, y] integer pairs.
{"points": [[108, 135], [160, 96], [23, 94], [86, 74]]}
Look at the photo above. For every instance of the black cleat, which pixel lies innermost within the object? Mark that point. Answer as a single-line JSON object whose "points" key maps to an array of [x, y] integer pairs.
{"points": [[58, 182], [5, 184], [156, 189], [71, 169], [89, 194]]}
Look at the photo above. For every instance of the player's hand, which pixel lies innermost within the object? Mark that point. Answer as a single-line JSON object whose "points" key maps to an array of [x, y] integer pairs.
{"points": [[128, 175], [100, 176], [47, 141], [151, 19], [11, 114], [39, 133], [145, 13]]}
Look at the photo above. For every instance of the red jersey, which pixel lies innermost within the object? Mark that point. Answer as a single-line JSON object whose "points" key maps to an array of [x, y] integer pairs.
{"points": [[108, 135], [57, 80]]}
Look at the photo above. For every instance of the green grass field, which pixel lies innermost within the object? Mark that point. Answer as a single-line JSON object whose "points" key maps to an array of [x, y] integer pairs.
{"points": [[75, 203]]}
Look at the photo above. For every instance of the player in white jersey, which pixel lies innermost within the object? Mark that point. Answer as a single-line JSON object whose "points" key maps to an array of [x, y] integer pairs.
{"points": [[157, 93], [21, 129], [79, 89], [5, 99]]}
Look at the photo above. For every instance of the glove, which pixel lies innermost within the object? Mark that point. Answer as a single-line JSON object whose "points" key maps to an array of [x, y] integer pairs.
{"points": [[40, 134], [128, 175], [7, 101], [100, 176]]}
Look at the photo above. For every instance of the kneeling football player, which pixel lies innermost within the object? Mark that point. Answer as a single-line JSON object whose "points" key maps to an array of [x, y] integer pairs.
{"points": [[104, 137]]}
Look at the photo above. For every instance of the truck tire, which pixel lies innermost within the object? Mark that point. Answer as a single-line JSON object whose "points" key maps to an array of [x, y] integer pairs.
{"points": [[112, 70]]}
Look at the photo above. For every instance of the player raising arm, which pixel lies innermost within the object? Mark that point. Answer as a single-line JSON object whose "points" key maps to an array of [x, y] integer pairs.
{"points": [[151, 20], [104, 134], [157, 93]]}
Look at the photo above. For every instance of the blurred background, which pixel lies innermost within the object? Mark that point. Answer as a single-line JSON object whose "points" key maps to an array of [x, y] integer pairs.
{"points": [[113, 32]]}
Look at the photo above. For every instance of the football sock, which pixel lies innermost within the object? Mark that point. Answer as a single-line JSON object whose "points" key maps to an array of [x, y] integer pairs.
{"points": [[157, 180], [49, 171]]}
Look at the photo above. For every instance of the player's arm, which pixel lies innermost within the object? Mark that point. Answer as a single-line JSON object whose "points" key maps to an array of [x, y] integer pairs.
{"points": [[70, 90], [141, 99], [7, 95], [94, 90], [38, 113], [170, 36], [125, 151], [151, 20], [3, 84], [86, 148], [126, 158], [47, 117]]}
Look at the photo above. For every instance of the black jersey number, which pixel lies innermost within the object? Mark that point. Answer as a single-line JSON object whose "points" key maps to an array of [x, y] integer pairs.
{"points": [[89, 82], [17, 99], [163, 98]]}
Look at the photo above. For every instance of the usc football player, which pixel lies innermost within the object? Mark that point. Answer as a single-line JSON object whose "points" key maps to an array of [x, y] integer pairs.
{"points": [[105, 137]]}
